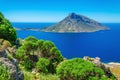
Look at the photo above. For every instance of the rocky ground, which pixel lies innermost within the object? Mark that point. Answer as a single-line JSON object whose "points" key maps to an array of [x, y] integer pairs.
{"points": [[15, 73]]}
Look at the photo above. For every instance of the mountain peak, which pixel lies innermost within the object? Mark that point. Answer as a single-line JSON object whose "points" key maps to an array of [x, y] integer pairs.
{"points": [[74, 16]]}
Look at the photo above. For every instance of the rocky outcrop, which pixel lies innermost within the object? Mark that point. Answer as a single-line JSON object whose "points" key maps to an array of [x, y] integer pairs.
{"points": [[3, 54], [76, 23], [99, 64], [12, 65], [95, 60]]}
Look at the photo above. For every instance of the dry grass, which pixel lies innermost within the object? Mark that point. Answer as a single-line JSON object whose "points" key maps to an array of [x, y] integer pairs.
{"points": [[115, 69]]}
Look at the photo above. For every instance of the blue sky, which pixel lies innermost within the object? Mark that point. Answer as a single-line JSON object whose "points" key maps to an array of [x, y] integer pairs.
{"points": [[56, 10]]}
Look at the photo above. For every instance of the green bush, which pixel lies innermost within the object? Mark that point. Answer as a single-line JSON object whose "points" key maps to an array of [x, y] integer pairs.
{"points": [[43, 64], [45, 49], [34, 48], [31, 38], [55, 58], [4, 44], [7, 32], [4, 72], [21, 52], [39, 44], [79, 69], [30, 47], [55, 55], [28, 64]]}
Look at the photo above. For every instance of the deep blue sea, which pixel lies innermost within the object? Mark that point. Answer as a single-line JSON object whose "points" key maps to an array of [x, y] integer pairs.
{"points": [[103, 44]]}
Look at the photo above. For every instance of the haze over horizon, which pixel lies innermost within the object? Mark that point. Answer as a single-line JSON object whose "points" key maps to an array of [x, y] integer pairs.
{"points": [[54, 10]]}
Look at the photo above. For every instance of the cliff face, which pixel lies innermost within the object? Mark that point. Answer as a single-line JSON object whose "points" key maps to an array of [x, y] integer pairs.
{"points": [[76, 23]]}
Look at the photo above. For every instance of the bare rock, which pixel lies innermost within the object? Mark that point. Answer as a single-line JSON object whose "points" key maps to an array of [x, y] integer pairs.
{"points": [[20, 76], [3, 54]]}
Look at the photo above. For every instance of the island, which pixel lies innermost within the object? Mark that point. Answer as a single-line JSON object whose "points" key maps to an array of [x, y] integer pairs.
{"points": [[75, 23]]}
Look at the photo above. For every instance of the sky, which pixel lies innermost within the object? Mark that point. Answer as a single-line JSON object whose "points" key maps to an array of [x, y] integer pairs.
{"points": [[56, 10]]}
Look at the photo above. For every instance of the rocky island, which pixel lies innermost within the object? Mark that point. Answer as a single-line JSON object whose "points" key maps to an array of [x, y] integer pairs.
{"points": [[75, 23]]}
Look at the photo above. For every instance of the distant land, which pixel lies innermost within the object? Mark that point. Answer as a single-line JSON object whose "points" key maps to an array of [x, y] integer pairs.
{"points": [[72, 23], [76, 23]]}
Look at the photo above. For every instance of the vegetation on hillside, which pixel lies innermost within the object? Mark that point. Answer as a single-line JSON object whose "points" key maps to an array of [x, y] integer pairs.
{"points": [[7, 32]]}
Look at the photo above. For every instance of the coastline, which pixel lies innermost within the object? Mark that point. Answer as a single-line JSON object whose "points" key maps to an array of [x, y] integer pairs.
{"points": [[39, 30], [114, 63]]}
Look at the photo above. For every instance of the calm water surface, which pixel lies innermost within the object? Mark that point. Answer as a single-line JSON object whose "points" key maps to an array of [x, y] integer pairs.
{"points": [[103, 44]]}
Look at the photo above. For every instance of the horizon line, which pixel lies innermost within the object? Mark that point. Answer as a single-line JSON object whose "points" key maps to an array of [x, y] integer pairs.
{"points": [[47, 22]]}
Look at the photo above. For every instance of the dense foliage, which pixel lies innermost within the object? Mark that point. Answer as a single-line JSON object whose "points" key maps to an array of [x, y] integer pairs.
{"points": [[33, 49], [79, 69], [6, 30], [4, 72], [43, 64]]}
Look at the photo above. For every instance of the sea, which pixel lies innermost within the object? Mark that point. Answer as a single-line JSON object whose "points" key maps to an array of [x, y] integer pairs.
{"points": [[103, 44]]}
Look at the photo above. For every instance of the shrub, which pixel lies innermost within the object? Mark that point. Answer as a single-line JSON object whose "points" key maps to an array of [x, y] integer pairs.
{"points": [[31, 38], [34, 48], [4, 44], [39, 44], [79, 69], [55, 58], [4, 72], [55, 55], [43, 64], [45, 49], [21, 52], [7, 32], [28, 64]]}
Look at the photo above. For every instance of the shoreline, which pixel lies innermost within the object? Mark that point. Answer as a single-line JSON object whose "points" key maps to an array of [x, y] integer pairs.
{"points": [[38, 30], [113, 63]]}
